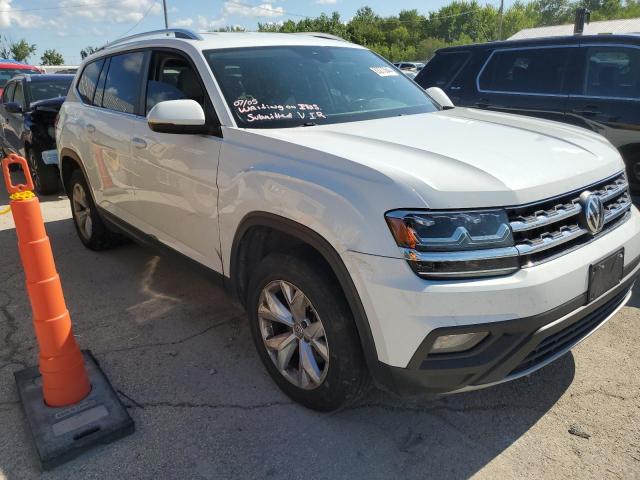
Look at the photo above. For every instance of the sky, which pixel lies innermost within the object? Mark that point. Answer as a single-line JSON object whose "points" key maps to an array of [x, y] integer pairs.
{"points": [[70, 25]]}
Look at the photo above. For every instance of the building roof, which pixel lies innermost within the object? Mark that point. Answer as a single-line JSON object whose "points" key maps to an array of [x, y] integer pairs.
{"points": [[624, 26]]}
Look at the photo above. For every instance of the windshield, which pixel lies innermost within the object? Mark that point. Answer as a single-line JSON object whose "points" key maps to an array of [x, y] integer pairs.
{"points": [[273, 87], [7, 73], [45, 90]]}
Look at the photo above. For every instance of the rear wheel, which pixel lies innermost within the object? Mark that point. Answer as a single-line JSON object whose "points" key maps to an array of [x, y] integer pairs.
{"points": [[92, 231], [45, 177], [305, 333]]}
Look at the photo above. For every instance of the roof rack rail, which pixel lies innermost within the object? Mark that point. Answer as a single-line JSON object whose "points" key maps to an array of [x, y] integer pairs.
{"points": [[177, 33], [321, 35]]}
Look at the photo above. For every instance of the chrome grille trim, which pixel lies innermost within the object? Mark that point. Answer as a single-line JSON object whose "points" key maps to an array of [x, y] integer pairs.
{"points": [[548, 224], [550, 240], [616, 209], [461, 256], [613, 190], [541, 218]]}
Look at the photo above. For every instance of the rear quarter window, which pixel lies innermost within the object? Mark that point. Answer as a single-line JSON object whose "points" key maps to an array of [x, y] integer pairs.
{"points": [[88, 80], [442, 69], [529, 70], [612, 72]]}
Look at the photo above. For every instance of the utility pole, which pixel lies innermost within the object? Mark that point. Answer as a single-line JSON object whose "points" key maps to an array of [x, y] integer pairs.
{"points": [[166, 22], [500, 23]]}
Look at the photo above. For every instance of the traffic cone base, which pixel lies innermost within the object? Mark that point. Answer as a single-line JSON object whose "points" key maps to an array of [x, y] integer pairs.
{"points": [[61, 434]]}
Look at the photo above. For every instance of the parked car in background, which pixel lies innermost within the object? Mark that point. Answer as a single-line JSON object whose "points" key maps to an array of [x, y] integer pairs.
{"points": [[59, 68], [588, 81], [410, 66], [367, 230], [30, 104], [10, 68], [410, 73], [71, 70]]}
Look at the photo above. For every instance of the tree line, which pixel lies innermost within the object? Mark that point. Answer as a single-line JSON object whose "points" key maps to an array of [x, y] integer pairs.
{"points": [[413, 36], [22, 50], [410, 35]]}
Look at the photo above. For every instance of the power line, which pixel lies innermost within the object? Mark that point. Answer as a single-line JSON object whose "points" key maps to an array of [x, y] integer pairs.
{"points": [[138, 22], [81, 5], [266, 9]]}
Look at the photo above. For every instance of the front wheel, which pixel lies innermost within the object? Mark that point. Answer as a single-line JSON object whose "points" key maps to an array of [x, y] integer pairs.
{"points": [[305, 333], [45, 177], [92, 231]]}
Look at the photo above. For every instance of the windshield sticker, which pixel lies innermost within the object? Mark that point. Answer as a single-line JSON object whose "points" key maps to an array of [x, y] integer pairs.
{"points": [[253, 110], [384, 71]]}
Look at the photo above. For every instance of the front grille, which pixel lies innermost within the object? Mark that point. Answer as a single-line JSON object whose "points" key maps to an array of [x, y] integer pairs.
{"points": [[546, 229], [564, 339]]}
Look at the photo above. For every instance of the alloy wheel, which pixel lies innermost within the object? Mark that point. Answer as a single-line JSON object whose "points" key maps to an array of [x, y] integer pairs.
{"points": [[33, 167], [293, 334], [82, 211]]}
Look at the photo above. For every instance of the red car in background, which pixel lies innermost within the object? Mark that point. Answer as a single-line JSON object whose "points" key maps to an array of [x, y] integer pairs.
{"points": [[10, 68]]}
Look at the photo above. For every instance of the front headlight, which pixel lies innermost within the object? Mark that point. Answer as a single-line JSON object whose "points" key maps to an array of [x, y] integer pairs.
{"points": [[455, 244]]}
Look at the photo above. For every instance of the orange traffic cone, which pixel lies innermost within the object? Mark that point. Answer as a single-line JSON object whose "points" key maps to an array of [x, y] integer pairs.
{"points": [[64, 378], [68, 401]]}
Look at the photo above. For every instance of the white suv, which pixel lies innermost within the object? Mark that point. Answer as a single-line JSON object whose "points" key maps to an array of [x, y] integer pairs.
{"points": [[368, 231]]}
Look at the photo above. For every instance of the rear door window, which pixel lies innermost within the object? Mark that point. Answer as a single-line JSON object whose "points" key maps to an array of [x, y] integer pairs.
{"points": [[88, 80], [532, 70], [442, 69], [612, 72], [123, 82]]}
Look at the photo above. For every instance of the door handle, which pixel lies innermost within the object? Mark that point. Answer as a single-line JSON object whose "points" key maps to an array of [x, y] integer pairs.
{"points": [[587, 111], [138, 142], [91, 128], [455, 88]]}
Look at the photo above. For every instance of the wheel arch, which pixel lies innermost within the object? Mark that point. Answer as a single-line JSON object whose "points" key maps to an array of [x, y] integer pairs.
{"points": [[240, 268], [70, 161]]}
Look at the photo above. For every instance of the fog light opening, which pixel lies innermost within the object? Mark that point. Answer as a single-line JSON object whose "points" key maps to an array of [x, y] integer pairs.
{"points": [[460, 342]]}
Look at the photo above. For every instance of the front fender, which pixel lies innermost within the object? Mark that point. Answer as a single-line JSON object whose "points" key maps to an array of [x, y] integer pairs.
{"points": [[342, 201]]}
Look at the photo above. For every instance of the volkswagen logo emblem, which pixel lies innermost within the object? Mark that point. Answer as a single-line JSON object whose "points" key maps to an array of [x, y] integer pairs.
{"points": [[592, 212]]}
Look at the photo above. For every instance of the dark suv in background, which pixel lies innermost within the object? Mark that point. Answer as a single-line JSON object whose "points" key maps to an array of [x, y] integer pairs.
{"points": [[28, 109], [589, 81]]}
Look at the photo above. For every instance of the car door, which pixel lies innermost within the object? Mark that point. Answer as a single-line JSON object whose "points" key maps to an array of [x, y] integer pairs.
{"points": [[14, 124], [526, 81], [175, 174], [109, 121], [7, 96], [607, 99]]}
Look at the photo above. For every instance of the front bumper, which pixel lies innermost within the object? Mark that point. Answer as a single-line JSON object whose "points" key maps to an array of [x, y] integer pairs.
{"points": [[522, 312], [513, 349]]}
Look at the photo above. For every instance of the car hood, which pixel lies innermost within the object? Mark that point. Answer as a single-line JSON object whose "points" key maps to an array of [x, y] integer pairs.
{"points": [[49, 104], [466, 158]]}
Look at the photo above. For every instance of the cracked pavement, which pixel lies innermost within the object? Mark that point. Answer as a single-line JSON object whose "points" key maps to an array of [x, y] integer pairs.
{"points": [[180, 355]]}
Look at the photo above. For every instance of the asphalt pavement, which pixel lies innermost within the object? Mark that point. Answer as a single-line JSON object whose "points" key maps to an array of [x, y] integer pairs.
{"points": [[180, 355]]}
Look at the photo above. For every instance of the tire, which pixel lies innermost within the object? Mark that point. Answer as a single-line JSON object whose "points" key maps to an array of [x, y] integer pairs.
{"points": [[92, 231], [46, 179], [331, 385]]}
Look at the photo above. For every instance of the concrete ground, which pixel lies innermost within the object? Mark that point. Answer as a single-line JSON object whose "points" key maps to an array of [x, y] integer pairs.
{"points": [[180, 355]]}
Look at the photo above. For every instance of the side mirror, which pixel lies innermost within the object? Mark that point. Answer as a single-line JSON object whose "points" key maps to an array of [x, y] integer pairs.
{"points": [[177, 116], [13, 107], [439, 96]]}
